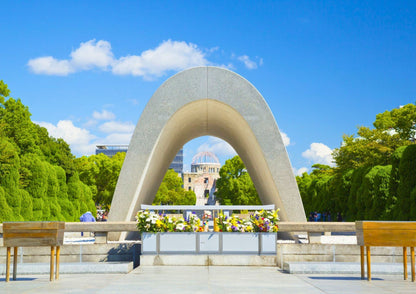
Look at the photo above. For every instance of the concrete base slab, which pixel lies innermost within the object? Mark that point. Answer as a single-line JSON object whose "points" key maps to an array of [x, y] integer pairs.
{"points": [[72, 268], [208, 260], [343, 268]]}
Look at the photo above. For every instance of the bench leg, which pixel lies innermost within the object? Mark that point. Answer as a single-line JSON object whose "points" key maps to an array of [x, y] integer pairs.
{"points": [[412, 253], [8, 265], [362, 262], [368, 263], [405, 263], [14, 263], [52, 263], [58, 253]]}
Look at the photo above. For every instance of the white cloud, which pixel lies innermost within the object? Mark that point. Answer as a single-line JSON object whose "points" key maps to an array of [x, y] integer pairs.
{"points": [[299, 172], [217, 146], [149, 64], [89, 55], [117, 138], [103, 115], [250, 64], [82, 142], [50, 66], [319, 153], [285, 138], [79, 139], [92, 54], [117, 127], [169, 55]]}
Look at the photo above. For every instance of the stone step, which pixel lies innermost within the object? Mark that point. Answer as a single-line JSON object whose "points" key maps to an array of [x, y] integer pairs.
{"points": [[71, 268], [208, 260], [343, 268]]}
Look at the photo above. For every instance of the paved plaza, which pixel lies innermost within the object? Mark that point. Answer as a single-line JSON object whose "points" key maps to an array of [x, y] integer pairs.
{"points": [[201, 279]]}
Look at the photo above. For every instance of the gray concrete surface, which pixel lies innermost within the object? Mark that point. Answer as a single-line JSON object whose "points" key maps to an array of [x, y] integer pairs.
{"points": [[344, 268], [80, 252], [71, 268], [335, 253], [201, 260], [218, 279]]}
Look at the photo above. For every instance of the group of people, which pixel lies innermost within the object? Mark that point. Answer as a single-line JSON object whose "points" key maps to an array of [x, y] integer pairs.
{"points": [[102, 216], [326, 216]]}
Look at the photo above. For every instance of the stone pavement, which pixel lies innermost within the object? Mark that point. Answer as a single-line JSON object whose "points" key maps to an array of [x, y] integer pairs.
{"points": [[202, 279]]}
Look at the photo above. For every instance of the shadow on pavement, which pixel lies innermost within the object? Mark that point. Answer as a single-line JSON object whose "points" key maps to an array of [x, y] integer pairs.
{"points": [[17, 279], [342, 278]]}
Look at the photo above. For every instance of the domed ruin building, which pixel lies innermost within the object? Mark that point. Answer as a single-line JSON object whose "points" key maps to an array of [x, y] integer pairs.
{"points": [[202, 179]]}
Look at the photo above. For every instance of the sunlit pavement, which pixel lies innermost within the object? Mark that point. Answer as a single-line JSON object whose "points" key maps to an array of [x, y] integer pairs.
{"points": [[201, 279]]}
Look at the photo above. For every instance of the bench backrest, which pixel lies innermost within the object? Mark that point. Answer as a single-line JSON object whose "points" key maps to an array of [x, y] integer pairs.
{"points": [[28, 234], [385, 233]]}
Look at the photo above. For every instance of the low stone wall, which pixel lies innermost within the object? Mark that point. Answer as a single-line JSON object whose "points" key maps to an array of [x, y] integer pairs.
{"points": [[335, 253], [208, 260], [131, 252], [79, 253]]}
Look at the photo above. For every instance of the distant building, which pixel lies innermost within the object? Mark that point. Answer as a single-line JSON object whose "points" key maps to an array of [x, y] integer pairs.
{"points": [[202, 179], [111, 150]]}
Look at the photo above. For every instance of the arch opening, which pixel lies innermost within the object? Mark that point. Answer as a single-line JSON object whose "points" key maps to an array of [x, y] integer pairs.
{"points": [[213, 118]]}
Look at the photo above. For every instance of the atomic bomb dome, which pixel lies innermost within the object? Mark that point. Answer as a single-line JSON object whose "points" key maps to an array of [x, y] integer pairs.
{"points": [[205, 168], [205, 162], [205, 157]]}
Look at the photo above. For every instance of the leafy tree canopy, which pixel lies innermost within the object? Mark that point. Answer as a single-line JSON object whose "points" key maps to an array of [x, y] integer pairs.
{"points": [[373, 147], [235, 187], [402, 120], [37, 176], [4, 91], [171, 192]]}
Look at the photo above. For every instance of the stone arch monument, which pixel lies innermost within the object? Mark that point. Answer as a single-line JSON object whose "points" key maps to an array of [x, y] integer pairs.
{"points": [[198, 102]]}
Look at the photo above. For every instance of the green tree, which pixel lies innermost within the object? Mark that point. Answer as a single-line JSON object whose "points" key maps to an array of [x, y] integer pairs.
{"points": [[376, 146], [235, 187], [4, 91], [402, 120], [374, 192], [37, 176], [392, 209], [170, 191], [406, 203], [6, 213], [100, 173], [17, 125], [317, 189]]}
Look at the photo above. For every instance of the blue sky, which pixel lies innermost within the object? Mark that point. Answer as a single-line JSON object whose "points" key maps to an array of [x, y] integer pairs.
{"points": [[86, 69]]}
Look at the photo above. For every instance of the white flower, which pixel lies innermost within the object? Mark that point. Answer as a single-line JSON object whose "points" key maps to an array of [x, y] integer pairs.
{"points": [[180, 226]]}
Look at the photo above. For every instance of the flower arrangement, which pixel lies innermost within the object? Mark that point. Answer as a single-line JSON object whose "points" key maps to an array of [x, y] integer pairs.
{"points": [[259, 221], [265, 221], [149, 221], [233, 224]]}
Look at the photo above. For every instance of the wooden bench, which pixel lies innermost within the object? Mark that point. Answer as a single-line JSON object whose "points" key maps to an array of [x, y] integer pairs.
{"points": [[33, 234], [385, 233]]}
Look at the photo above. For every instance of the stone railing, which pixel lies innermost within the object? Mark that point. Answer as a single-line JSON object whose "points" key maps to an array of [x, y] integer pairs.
{"points": [[101, 229], [316, 227]]}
